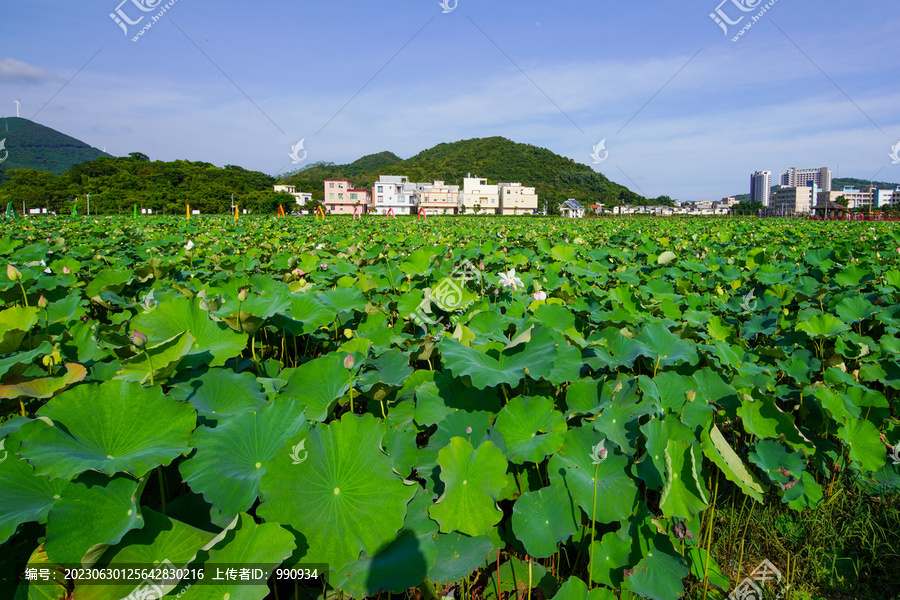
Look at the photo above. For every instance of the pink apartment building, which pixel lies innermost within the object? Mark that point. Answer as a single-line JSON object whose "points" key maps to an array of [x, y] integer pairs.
{"points": [[340, 197]]}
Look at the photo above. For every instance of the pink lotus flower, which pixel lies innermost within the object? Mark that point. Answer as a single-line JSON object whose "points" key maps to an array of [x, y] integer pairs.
{"points": [[66, 270], [324, 266], [539, 296]]}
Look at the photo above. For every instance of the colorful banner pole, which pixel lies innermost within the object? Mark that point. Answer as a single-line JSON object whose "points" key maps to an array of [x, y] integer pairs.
{"points": [[235, 212], [135, 211], [187, 209]]}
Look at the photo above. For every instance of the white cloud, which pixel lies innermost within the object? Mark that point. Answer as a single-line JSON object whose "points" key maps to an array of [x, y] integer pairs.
{"points": [[16, 71]]}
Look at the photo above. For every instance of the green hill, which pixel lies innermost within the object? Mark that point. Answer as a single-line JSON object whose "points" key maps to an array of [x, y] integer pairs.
{"points": [[34, 146], [497, 159]]}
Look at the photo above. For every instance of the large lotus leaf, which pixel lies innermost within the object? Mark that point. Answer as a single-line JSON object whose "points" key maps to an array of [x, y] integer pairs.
{"points": [[652, 467], [14, 323], [163, 357], [9, 362], [683, 495], [473, 480], [439, 396], [317, 384], [572, 467], [665, 347], [531, 428], [391, 369], [509, 367], [782, 466], [306, 315], [612, 349], [865, 444], [458, 555], [221, 392], [659, 574], [231, 458], [764, 419], [161, 542], [115, 426], [343, 301], [576, 589], [247, 544], [823, 325], [543, 519], [854, 309], [24, 496], [403, 564], [611, 557], [107, 280], [344, 498], [91, 514], [214, 342], [44, 387], [717, 449]]}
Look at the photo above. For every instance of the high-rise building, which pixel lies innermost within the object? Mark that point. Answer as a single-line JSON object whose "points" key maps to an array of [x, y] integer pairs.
{"points": [[795, 177], [761, 187]]}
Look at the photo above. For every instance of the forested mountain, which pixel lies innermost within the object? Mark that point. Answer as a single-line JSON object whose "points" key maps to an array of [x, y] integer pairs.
{"points": [[34, 146], [496, 158]]}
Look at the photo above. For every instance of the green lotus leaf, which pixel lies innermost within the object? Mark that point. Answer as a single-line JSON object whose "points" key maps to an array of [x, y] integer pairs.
{"points": [[214, 342], [231, 458], [823, 325], [666, 257], [219, 393], [14, 323], [317, 385], [458, 555], [610, 349], [658, 432], [111, 427], [344, 498], [306, 315], [704, 566], [391, 369], [403, 564], [764, 419], [611, 556], [9, 362], [531, 428], [854, 309], [665, 347], [573, 468], [247, 544], [107, 280], [45, 387], [683, 495], [92, 513], [783, 467], [543, 519], [24, 496], [659, 574], [162, 541], [575, 589], [473, 480], [164, 358], [865, 444], [717, 449], [508, 367]]}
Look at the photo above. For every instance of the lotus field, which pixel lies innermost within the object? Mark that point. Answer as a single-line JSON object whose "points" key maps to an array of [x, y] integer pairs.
{"points": [[466, 407]]}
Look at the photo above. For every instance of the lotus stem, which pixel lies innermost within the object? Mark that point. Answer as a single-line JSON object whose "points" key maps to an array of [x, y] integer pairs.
{"points": [[162, 489], [24, 295], [150, 363], [593, 530]]}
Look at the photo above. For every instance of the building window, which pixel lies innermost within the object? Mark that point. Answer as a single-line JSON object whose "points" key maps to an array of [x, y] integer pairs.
{"points": [[331, 185], [331, 196], [380, 189], [353, 196]]}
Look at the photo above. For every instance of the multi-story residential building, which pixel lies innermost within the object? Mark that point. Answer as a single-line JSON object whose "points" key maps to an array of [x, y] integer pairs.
{"points": [[341, 198], [479, 197], [790, 200], [301, 197], [394, 191], [798, 178], [438, 198], [516, 199], [760, 187]]}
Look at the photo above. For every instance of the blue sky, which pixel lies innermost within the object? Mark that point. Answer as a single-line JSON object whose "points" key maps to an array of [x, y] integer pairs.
{"points": [[685, 111]]}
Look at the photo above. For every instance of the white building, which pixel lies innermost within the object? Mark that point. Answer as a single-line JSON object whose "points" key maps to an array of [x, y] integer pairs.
{"points": [[798, 178], [394, 191], [572, 209], [301, 197], [477, 193], [516, 199], [789, 200], [760, 187], [438, 198]]}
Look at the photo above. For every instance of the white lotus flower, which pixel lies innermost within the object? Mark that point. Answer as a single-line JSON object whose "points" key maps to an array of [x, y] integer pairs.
{"points": [[539, 296], [190, 245], [510, 280]]}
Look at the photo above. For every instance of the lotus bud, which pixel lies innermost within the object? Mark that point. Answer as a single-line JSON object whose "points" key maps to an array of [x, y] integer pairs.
{"points": [[138, 339], [349, 362], [242, 295], [468, 431], [690, 395], [67, 270], [13, 273], [42, 302], [348, 333]]}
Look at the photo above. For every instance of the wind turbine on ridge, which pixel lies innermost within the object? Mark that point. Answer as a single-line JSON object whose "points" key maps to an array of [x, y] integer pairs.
{"points": [[17, 107]]}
